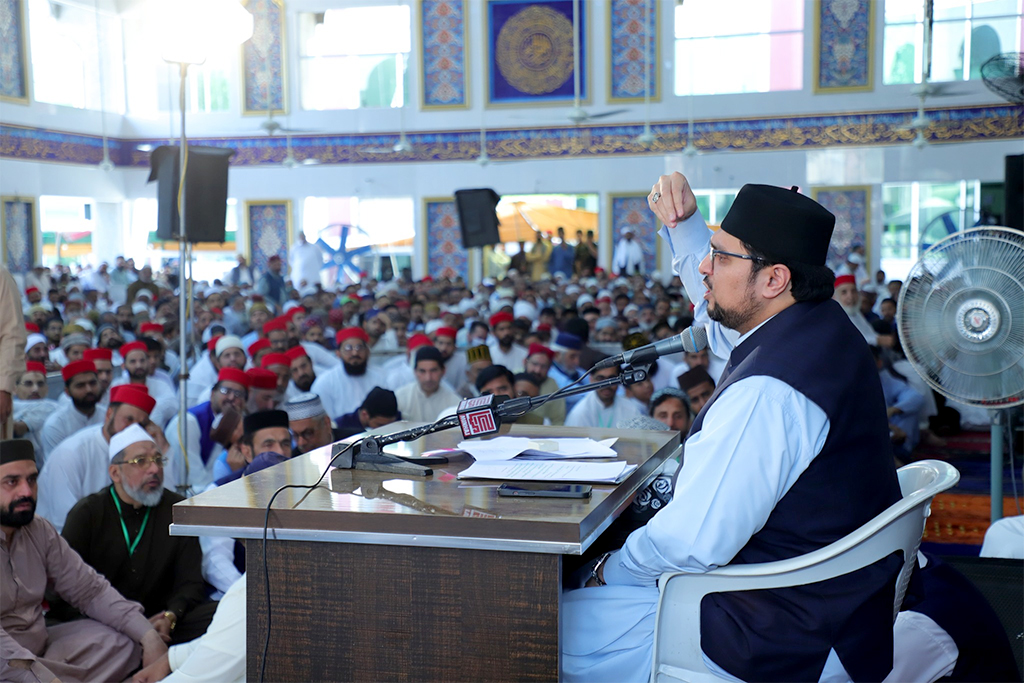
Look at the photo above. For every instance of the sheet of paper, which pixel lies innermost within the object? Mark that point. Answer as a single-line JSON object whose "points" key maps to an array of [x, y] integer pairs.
{"points": [[509, 447], [530, 470]]}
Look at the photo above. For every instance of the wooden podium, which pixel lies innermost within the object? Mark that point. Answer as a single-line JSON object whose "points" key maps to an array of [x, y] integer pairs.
{"points": [[376, 577]]}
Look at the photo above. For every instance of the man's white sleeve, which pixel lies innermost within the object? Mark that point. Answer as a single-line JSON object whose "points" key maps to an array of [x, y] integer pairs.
{"points": [[758, 437], [219, 654]]}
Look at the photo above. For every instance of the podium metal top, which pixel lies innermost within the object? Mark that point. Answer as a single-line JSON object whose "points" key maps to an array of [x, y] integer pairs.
{"points": [[354, 506]]}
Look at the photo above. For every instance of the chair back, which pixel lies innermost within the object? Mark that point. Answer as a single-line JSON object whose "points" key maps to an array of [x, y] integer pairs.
{"points": [[677, 653]]}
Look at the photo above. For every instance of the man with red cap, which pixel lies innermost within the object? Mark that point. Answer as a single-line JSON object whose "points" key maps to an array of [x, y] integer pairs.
{"points": [[454, 359], [258, 349], [83, 388], [31, 406], [136, 371], [849, 298], [538, 362], [300, 368], [78, 465], [103, 360], [262, 390], [343, 389], [280, 365], [230, 392], [398, 371], [504, 350], [226, 351]]}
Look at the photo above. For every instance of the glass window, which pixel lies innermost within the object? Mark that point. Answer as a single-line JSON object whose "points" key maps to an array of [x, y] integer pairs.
{"points": [[965, 33], [355, 57], [71, 47], [714, 204], [739, 46], [387, 226], [917, 215], [66, 225]]}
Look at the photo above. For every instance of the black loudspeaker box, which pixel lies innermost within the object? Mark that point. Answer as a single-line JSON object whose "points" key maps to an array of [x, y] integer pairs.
{"points": [[478, 219], [1013, 214], [206, 192]]}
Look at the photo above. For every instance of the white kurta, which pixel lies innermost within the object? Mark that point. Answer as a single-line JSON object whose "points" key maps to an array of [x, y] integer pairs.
{"points": [[64, 422], [322, 359], [219, 568], [629, 257], [342, 393], [34, 415], [590, 412], [306, 260], [416, 406], [218, 656], [514, 359], [199, 475], [757, 439]]}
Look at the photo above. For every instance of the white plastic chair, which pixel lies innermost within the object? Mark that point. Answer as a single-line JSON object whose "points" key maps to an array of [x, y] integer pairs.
{"points": [[677, 652]]}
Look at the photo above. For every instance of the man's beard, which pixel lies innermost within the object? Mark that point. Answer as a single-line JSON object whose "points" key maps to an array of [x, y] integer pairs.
{"points": [[734, 320], [127, 326], [305, 382], [355, 370], [18, 519], [506, 342], [113, 343], [139, 375], [853, 310], [86, 403], [140, 494]]}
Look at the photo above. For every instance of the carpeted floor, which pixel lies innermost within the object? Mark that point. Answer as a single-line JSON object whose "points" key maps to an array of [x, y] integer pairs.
{"points": [[960, 516]]}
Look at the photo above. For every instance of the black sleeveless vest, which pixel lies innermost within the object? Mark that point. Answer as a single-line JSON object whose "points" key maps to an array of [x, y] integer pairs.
{"points": [[786, 634]]}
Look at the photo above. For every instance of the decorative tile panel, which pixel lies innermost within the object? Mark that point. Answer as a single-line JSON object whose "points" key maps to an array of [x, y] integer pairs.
{"points": [[270, 231], [443, 56], [630, 22], [843, 45], [852, 209], [632, 210], [445, 255], [19, 233], [13, 55], [263, 60]]}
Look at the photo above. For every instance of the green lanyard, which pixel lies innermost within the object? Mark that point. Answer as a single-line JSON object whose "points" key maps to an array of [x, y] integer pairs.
{"points": [[138, 537]]}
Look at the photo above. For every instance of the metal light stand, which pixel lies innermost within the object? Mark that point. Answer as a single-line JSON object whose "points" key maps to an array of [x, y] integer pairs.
{"points": [[183, 374]]}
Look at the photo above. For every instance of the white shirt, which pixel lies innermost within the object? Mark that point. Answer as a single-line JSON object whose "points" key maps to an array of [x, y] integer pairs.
{"points": [[629, 257], [306, 260], [166, 400], [34, 414], [590, 412], [62, 423], [322, 359], [416, 406], [218, 656], [514, 359], [200, 475], [218, 567], [342, 393]]}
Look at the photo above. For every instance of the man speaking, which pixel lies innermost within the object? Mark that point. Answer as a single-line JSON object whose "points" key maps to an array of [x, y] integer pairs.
{"points": [[790, 453]]}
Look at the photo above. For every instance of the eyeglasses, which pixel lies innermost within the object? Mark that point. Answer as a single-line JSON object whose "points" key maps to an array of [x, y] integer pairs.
{"points": [[746, 257], [233, 393], [354, 348], [143, 461]]}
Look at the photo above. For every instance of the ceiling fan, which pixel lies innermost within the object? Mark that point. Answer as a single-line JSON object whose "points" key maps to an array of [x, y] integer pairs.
{"points": [[578, 114]]}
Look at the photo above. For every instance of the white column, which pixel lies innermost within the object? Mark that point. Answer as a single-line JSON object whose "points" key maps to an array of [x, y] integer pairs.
{"points": [[108, 234]]}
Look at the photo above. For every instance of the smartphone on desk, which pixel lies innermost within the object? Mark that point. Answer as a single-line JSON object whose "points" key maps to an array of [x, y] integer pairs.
{"points": [[527, 490]]}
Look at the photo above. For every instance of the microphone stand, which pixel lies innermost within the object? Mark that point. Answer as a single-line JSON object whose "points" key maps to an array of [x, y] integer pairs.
{"points": [[368, 455]]}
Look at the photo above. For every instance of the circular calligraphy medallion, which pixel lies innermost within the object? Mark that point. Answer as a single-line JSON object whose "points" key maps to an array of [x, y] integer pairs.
{"points": [[534, 50]]}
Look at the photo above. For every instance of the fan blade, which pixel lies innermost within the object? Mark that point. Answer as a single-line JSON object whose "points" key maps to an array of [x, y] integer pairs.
{"points": [[603, 114]]}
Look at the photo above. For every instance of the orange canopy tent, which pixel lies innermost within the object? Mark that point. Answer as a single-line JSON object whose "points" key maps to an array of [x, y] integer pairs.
{"points": [[521, 221]]}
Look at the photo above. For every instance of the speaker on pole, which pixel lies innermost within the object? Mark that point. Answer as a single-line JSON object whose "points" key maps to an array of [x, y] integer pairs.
{"points": [[478, 218], [206, 191]]}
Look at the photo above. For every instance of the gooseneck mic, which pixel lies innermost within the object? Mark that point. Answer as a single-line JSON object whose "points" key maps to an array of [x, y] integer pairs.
{"points": [[691, 340]]}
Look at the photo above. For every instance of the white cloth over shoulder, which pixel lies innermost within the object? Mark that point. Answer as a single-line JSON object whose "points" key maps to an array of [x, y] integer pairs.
{"points": [[218, 656]]}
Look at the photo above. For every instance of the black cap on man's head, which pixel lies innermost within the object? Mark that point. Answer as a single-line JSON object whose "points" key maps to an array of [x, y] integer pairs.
{"points": [[782, 223], [264, 419], [380, 403]]}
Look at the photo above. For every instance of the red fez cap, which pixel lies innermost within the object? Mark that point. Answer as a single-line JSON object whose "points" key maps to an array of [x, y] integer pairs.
{"points": [[845, 280], [212, 344], [540, 348], [543, 327], [292, 312], [258, 346], [78, 367], [604, 298], [98, 354], [32, 327], [295, 352], [275, 359], [402, 303], [30, 290], [446, 332], [274, 324], [427, 278], [261, 378], [499, 318], [34, 366], [352, 333], [217, 310], [134, 395], [233, 375], [151, 327], [132, 346], [418, 340], [275, 257]]}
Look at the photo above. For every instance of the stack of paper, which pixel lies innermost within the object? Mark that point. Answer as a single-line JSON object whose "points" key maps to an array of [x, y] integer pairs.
{"points": [[528, 470], [508, 447]]}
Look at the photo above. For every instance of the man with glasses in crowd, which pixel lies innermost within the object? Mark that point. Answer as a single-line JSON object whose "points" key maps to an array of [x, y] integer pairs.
{"points": [[343, 389]]}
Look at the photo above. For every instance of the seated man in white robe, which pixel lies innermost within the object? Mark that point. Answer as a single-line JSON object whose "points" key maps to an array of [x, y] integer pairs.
{"points": [[602, 408], [343, 389], [31, 406], [425, 398]]}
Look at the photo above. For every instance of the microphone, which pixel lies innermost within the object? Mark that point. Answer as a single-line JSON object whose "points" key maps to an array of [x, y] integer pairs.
{"points": [[479, 416], [691, 340]]}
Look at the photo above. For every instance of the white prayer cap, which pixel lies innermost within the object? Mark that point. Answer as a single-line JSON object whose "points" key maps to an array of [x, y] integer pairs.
{"points": [[126, 437], [583, 300], [573, 290], [303, 407], [228, 341], [290, 304], [467, 305], [433, 326], [144, 293], [85, 324], [33, 339], [627, 230], [855, 259], [524, 309], [308, 290]]}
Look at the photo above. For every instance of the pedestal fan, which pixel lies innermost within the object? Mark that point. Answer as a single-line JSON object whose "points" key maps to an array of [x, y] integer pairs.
{"points": [[961, 323]]}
